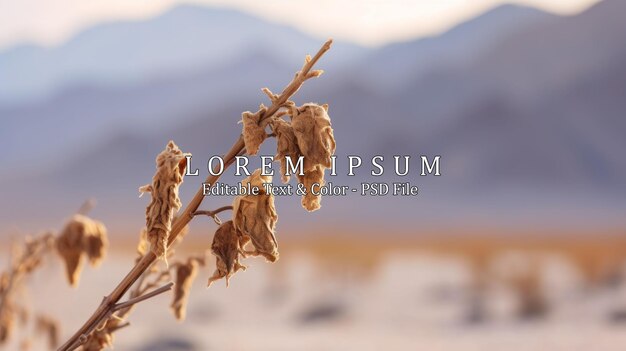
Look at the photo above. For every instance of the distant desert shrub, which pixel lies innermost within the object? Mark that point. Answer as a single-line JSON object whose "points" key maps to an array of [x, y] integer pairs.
{"points": [[81, 238]]}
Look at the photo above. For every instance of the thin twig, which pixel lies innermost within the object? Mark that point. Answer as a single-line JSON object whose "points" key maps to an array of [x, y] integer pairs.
{"points": [[143, 297], [213, 214], [103, 311], [163, 275]]}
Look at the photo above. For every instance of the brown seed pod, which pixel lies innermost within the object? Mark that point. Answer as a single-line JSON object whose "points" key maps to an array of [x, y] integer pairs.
{"points": [[254, 216], [253, 134], [286, 145], [310, 201], [170, 164], [312, 127], [185, 275], [226, 247]]}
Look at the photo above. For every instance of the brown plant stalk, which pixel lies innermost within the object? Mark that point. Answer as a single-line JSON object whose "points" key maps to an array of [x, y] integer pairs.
{"points": [[25, 260], [105, 309]]}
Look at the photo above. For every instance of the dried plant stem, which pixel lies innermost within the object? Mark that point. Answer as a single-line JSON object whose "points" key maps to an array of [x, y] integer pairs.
{"points": [[139, 290], [25, 263], [213, 214], [143, 297], [104, 310]]}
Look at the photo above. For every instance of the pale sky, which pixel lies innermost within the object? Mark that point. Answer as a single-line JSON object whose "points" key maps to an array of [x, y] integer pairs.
{"points": [[368, 22]]}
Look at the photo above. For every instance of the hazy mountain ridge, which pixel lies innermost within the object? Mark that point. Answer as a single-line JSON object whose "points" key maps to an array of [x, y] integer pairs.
{"points": [[397, 64], [180, 41], [532, 112], [142, 105], [147, 108]]}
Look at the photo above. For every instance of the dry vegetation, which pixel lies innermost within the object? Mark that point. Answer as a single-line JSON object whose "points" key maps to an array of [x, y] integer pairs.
{"points": [[307, 132], [517, 261], [80, 238]]}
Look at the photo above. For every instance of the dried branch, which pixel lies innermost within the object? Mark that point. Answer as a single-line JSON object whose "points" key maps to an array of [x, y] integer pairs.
{"points": [[273, 97], [143, 297], [103, 335], [103, 312]]}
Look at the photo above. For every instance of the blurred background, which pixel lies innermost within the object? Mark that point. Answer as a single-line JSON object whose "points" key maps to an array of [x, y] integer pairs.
{"points": [[519, 245]]}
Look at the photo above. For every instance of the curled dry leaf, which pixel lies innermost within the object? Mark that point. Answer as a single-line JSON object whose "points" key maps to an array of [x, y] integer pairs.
{"points": [[314, 135], [81, 235], [170, 164], [227, 246], [312, 127], [253, 133], [286, 145], [254, 216], [185, 275]]}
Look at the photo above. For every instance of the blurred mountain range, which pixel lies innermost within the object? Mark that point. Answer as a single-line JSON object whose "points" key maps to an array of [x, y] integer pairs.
{"points": [[526, 108], [185, 39]]}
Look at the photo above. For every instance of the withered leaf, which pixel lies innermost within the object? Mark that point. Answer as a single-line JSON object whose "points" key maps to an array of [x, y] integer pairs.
{"points": [[81, 236], [255, 217], [313, 131], [185, 275], [253, 134], [170, 164], [286, 145], [227, 248]]}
